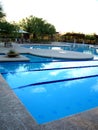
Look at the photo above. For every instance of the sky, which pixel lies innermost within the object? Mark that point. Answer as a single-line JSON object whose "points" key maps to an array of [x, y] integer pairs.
{"points": [[66, 15]]}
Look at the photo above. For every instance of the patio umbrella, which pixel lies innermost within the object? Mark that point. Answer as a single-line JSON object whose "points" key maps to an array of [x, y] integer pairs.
{"points": [[22, 31]]}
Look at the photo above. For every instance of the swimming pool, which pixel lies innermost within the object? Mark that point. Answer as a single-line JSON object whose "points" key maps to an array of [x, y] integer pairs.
{"points": [[52, 89], [84, 48]]}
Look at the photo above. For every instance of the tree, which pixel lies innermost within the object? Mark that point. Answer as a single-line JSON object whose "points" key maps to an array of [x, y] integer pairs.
{"points": [[2, 14], [90, 39], [7, 32], [37, 26], [6, 27]]}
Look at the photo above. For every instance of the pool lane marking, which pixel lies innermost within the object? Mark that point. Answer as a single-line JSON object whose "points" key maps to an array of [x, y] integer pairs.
{"points": [[76, 67], [55, 81]]}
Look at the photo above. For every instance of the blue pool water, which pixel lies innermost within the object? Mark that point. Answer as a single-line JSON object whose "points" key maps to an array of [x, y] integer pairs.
{"points": [[84, 48], [52, 89]]}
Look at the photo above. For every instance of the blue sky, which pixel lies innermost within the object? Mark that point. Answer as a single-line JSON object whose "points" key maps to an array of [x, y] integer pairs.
{"points": [[65, 15]]}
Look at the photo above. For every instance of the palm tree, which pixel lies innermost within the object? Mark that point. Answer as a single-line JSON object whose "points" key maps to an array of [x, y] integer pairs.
{"points": [[38, 27]]}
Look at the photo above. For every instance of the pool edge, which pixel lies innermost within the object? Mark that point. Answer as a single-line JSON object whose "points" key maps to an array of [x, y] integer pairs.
{"points": [[14, 115]]}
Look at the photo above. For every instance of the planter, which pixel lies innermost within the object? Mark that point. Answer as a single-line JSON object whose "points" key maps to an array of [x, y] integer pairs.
{"points": [[12, 55]]}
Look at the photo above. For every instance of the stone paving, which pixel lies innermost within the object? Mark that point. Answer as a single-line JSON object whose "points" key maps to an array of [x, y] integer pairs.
{"points": [[14, 116]]}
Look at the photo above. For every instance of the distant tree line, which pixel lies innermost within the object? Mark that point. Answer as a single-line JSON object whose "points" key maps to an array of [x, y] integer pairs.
{"points": [[80, 38], [39, 30]]}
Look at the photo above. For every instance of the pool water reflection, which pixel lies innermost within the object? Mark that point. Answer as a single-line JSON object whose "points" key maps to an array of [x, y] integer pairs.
{"points": [[46, 100]]}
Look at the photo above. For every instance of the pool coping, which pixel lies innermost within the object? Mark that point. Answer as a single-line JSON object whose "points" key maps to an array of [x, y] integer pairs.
{"points": [[4, 58]]}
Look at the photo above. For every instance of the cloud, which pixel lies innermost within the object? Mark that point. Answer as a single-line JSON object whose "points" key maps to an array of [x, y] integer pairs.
{"points": [[38, 90], [95, 87]]}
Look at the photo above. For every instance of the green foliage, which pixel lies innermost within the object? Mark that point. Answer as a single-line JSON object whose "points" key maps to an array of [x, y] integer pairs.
{"points": [[38, 27], [80, 38], [7, 29], [2, 14], [90, 37], [12, 53]]}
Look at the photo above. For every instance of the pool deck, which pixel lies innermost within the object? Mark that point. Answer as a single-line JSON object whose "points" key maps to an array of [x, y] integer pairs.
{"points": [[71, 55], [4, 58], [14, 116]]}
